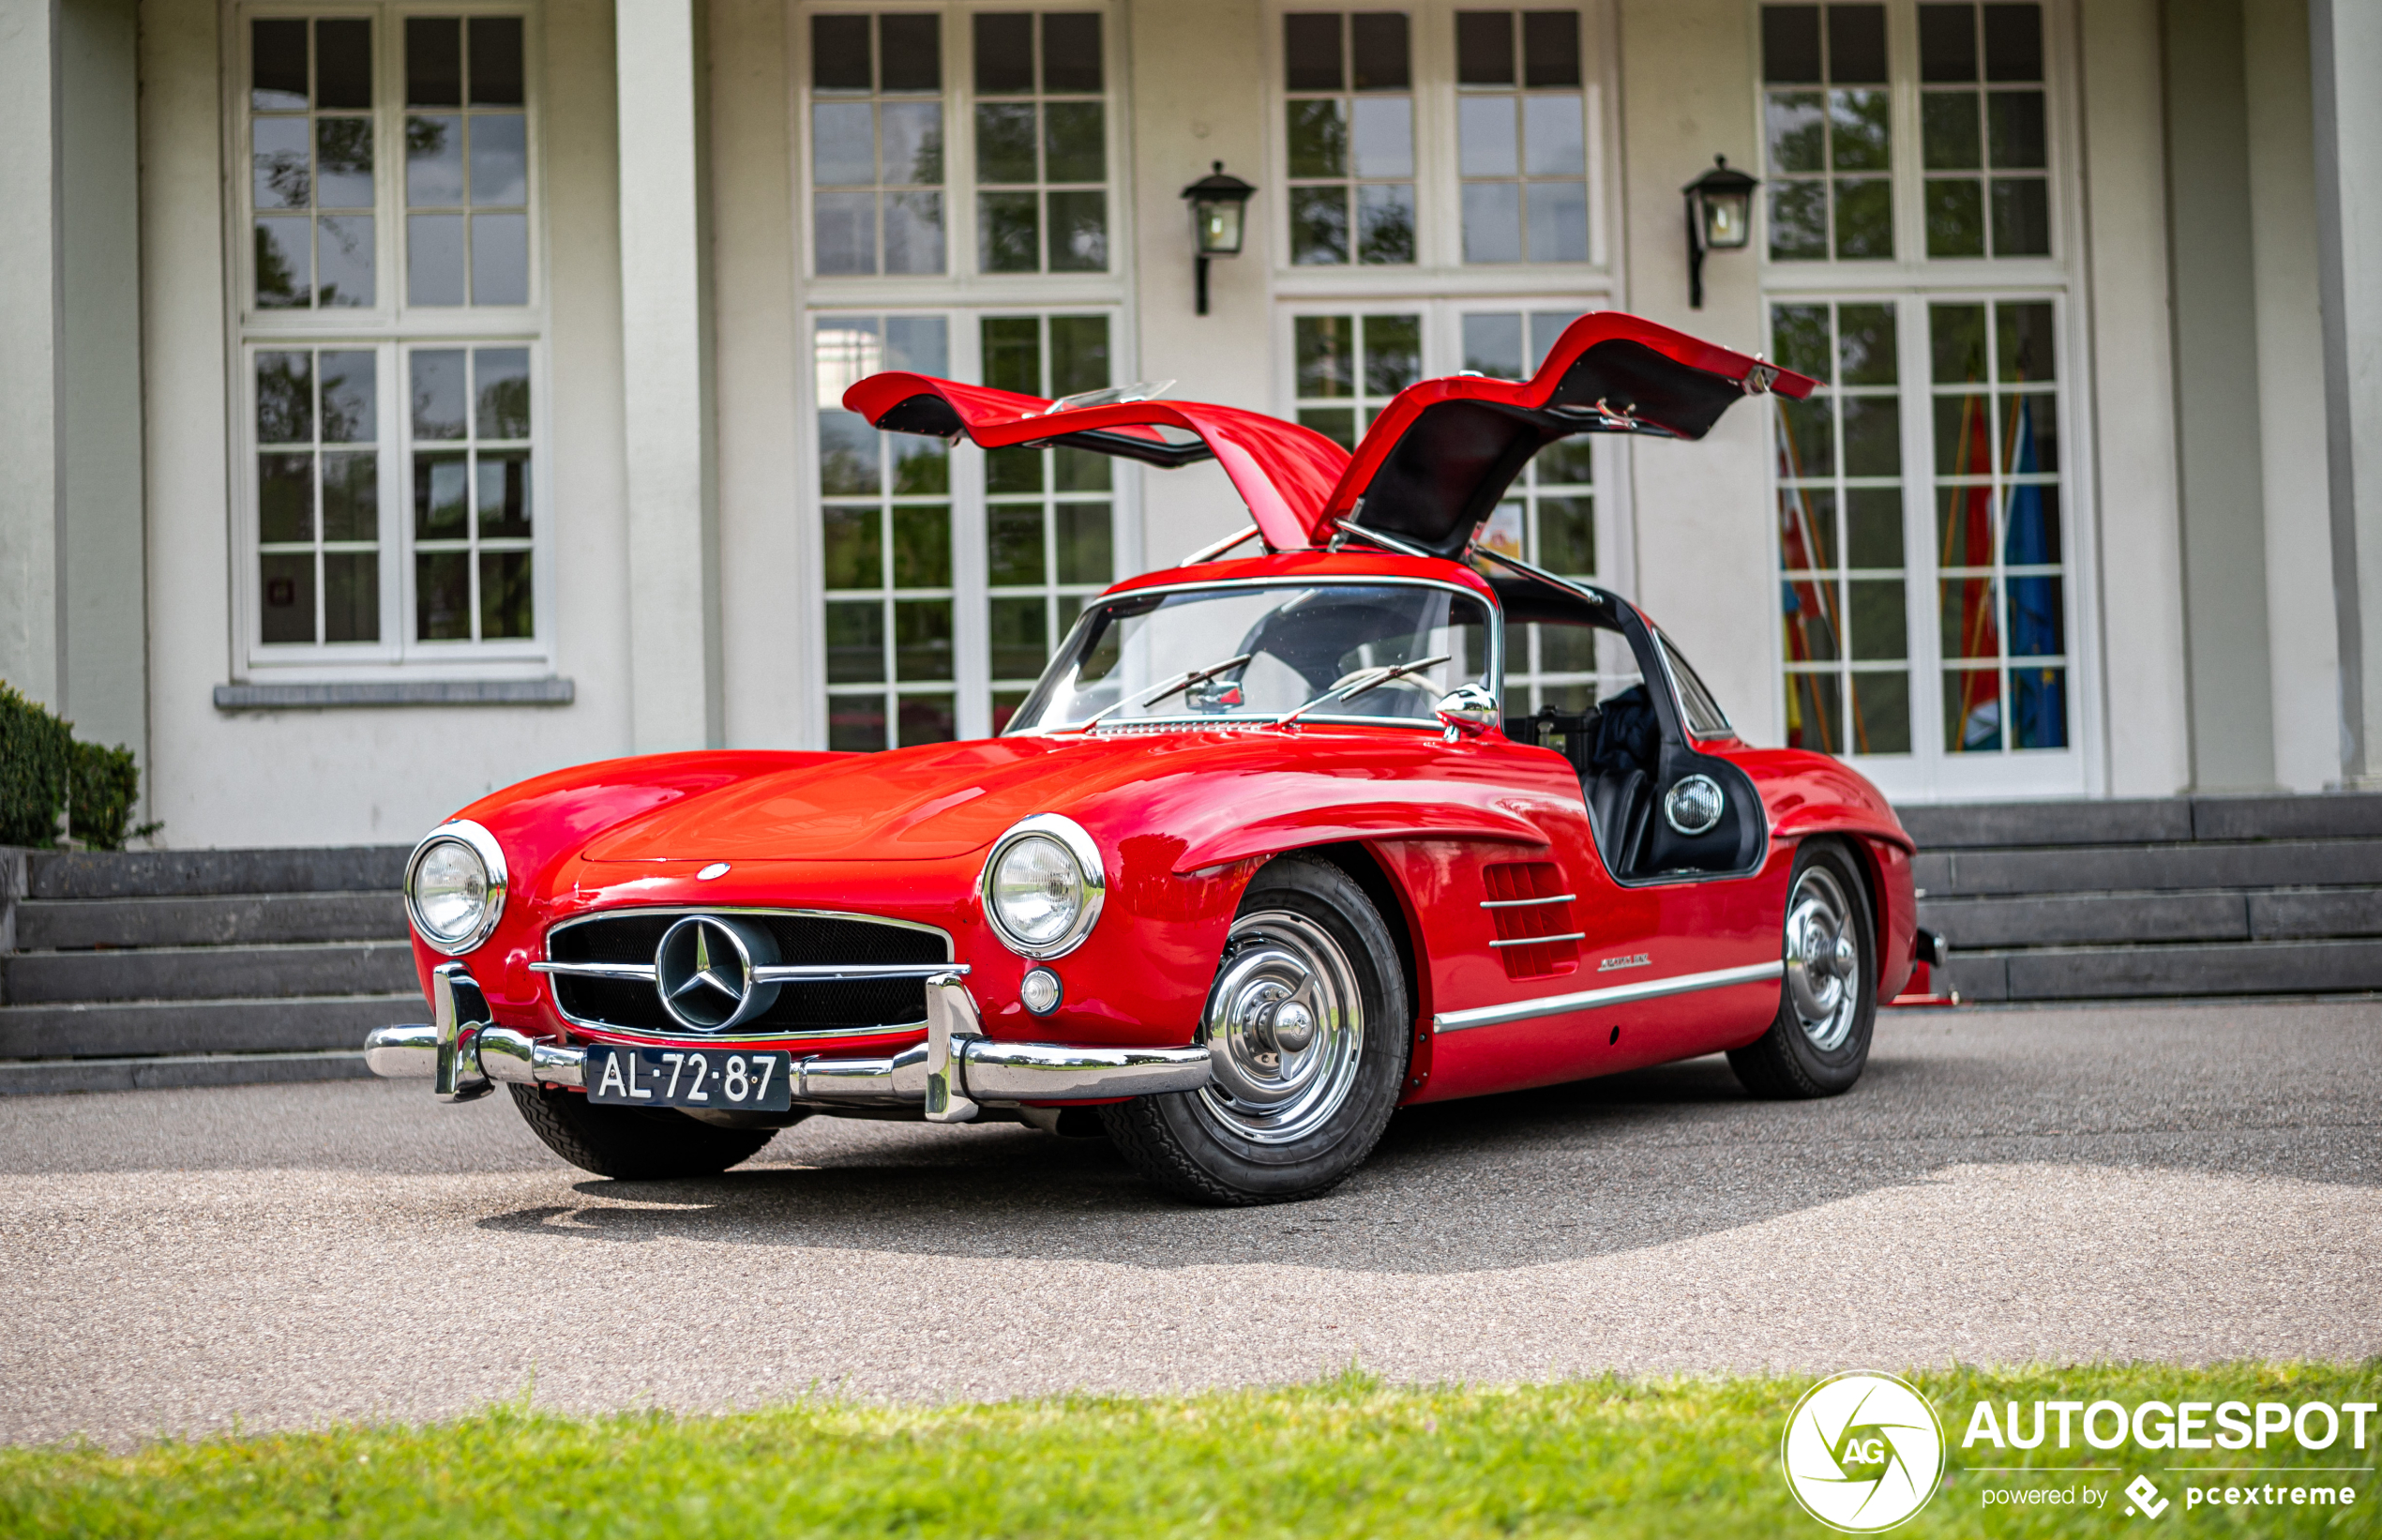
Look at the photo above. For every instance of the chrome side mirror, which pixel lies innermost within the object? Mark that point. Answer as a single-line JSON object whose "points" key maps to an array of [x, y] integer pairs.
{"points": [[1469, 708]]}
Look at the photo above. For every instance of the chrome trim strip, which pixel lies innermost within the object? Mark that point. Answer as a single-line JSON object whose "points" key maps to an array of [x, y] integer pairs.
{"points": [[1527, 904], [1541, 940], [775, 972], [1620, 994]]}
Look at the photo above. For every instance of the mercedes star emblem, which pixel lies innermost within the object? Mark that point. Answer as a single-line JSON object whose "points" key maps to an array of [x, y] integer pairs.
{"points": [[704, 970]]}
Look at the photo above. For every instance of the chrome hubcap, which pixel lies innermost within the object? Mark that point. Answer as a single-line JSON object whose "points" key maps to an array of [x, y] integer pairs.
{"points": [[1284, 1027], [1823, 959]]}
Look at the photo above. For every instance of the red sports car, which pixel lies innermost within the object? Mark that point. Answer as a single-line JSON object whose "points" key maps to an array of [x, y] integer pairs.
{"points": [[1262, 858]]}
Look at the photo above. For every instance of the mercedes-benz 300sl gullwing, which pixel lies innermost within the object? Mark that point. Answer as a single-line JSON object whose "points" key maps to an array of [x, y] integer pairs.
{"points": [[1266, 854]]}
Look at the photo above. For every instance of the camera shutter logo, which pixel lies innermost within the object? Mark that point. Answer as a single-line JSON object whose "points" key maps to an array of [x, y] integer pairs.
{"points": [[1862, 1452]]}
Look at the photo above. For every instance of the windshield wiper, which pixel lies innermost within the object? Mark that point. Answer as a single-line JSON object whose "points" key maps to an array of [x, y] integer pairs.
{"points": [[1358, 683], [1183, 681]]}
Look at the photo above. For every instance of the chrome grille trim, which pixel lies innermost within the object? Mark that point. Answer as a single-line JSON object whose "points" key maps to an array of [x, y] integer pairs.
{"points": [[779, 973]]}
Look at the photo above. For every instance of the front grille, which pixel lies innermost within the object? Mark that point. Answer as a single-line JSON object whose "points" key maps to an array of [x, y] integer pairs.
{"points": [[634, 1004]]}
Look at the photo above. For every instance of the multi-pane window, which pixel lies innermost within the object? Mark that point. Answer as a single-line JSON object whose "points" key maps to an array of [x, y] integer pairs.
{"points": [[1827, 118], [1349, 132], [1048, 529], [1350, 366], [311, 161], [1983, 135], [1548, 516], [877, 162], [1521, 136], [469, 411], [318, 511], [1042, 144], [886, 543], [466, 161], [1840, 531], [2000, 599]]}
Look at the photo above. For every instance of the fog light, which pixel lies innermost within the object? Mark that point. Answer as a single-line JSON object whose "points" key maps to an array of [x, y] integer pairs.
{"points": [[1040, 991]]}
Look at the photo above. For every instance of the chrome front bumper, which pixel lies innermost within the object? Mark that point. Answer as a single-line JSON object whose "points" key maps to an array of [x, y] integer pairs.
{"points": [[950, 1076]]}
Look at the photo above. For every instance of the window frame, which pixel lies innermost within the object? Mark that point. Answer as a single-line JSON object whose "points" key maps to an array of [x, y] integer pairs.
{"points": [[1910, 283], [961, 273], [1439, 266], [972, 682], [390, 329]]}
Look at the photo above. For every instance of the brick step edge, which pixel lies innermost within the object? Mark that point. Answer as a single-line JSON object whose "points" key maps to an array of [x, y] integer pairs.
{"points": [[62, 1076], [2136, 972]]}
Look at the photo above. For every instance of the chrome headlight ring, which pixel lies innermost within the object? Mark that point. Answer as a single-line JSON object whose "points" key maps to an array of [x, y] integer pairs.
{"points": [[1069, 837], [491, 855]]}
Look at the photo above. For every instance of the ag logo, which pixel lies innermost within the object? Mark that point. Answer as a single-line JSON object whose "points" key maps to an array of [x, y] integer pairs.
{"points": [[1864, 1451]]}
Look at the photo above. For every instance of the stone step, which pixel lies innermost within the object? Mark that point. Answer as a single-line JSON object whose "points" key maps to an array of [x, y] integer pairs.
{"points": [[2143, 869], [148, 874], [2151, 919], [151, 1027], [39, 978], [174, 1072], [2149, 820], [2280, 967], [59, 925], [209, 973]]}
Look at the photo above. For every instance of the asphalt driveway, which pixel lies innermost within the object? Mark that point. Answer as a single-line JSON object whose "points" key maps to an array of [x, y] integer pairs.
{"points": [[2185, 1182]]}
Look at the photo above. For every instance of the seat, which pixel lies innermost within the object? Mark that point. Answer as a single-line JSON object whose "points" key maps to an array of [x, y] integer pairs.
{"points": [[1622, 804], [1618, 782]]}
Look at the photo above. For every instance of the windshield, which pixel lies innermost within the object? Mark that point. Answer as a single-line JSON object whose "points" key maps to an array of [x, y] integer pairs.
{"points": [[1253, 652]]}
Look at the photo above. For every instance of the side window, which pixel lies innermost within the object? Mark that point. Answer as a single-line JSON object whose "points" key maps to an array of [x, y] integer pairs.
{"points": [[1349, 133]]}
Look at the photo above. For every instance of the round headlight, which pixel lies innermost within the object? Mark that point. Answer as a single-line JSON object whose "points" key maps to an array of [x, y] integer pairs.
{"points": [[1042, 886], [455, 886]]}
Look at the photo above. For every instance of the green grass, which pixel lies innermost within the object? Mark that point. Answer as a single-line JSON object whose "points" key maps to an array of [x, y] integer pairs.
{"points": [[1350, 1456]]}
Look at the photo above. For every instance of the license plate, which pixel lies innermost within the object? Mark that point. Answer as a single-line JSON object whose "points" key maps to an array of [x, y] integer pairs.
{"points": [[711, 1078]]}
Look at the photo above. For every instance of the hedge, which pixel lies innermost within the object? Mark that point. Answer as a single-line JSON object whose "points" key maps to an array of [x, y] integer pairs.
{"points": [[44, 772]]}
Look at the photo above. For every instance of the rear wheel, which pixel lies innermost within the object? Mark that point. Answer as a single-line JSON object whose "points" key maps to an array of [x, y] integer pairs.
{"points": [[1819, 1042], [629, 1142], [1307, 1027]]}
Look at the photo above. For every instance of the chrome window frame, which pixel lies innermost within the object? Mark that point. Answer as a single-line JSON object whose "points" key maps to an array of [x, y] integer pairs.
{"points": [[1495, 670]]}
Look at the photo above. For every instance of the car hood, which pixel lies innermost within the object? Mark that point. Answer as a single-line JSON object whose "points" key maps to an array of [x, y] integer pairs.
{"points": [[928, 803]]}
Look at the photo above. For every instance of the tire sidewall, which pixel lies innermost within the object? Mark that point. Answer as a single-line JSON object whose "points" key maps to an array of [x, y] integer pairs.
{"points": [[1832, 1070], [1323, 893]]}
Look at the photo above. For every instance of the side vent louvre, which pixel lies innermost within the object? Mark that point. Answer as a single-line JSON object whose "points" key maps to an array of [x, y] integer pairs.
{"points": [[1533, 913]]}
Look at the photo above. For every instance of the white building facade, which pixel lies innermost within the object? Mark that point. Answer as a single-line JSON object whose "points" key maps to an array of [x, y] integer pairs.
{"points": [[398, 399]]}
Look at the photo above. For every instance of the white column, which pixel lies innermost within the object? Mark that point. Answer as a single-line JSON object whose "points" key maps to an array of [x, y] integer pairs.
{"points": [[2303, 640], [2346, 61], [666, 443], [31, 319]]}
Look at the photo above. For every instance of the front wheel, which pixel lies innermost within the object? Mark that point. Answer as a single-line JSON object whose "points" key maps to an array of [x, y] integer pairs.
{"points": [[629, 1142], [1307, 1026], [1819, 1042]]}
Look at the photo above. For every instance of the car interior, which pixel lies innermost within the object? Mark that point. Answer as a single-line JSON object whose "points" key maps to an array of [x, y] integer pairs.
{"points": [[1633, 753]]}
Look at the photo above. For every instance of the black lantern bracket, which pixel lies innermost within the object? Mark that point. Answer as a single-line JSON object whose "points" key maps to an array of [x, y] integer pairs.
{"points": [[1720, 218], [1219, 204]]}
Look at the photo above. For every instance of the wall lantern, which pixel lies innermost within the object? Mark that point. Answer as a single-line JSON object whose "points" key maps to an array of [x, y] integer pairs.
{"points": [[1218, 203], [1720, 218]]}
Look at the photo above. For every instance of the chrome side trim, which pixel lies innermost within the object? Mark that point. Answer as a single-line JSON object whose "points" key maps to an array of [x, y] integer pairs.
{"points": [[1527, 904], [1541, 940], [642, 971], [1620, 994]]}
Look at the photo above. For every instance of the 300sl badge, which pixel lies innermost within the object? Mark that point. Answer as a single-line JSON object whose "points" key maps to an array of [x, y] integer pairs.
{"points": [[1635, 959]]}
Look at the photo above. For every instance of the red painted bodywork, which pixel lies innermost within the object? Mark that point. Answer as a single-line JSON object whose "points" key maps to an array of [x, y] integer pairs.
{"points": [[1184, 820]]}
